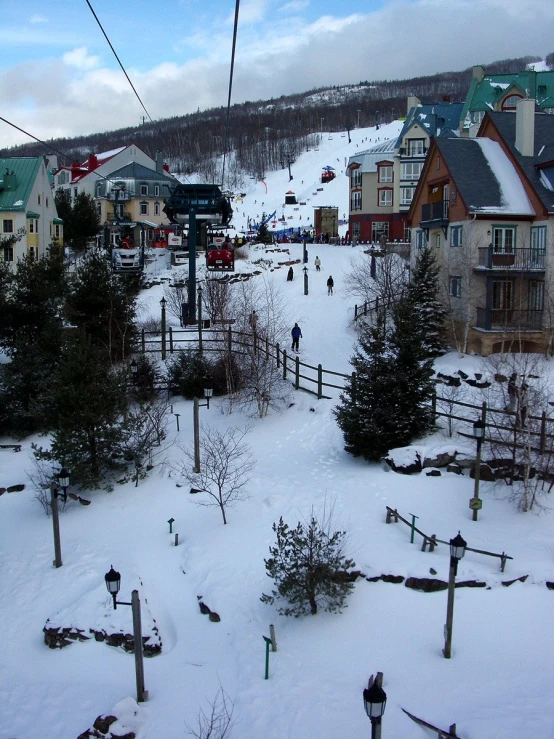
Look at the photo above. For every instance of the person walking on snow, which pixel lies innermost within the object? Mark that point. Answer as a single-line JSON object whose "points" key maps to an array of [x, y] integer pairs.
{"points": [[330, 285], [317, 263], [290, 274], [296, 334]]}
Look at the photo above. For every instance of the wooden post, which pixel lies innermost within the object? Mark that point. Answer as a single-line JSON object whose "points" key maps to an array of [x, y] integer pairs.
{"points": [[143, 341], [273, 639], [176, 540], [297, 373], [502, 562], [319, 381], [278, 355], [230, 340], [255, 337], [355, 312], [56, 524], [543, 433], [196, 429], [434, 404], [432, 542], [284, 364], [170, 340], [142, 694]]}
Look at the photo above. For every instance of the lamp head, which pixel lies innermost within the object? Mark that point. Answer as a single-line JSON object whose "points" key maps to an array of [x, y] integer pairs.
{"points": [[458, 546], [113, 581], [375, 700]]}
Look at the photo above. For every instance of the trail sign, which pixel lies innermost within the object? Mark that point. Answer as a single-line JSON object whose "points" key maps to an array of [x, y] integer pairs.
{"points": [[475, 504]]}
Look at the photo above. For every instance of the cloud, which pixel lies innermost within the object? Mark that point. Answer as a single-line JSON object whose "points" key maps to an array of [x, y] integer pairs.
{"points": [[401, 39], [38, 19], [80, 58], [294, 6]]}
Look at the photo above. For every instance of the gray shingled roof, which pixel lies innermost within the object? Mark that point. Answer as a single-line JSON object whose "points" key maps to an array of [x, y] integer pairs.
{"points": [[544, 138], [133, 170]]}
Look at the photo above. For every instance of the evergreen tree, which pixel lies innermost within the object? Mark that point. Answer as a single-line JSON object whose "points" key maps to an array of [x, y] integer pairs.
{"points": [[80, 217], [87, 400], [309, 568], [103, 306], [387, 403], [423, 292], [264, 237]]}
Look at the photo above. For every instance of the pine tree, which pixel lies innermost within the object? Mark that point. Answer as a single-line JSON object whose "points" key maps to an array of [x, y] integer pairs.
{"points": [[387, 403], [423, 292], [88, 401], [308, 567], [264, 237], [80, 217]]}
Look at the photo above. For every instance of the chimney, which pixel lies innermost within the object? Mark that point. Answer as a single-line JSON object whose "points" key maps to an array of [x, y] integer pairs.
{"points": [[478, 73], [9, 180], [413, 101], [525, 127], [159, 162], [75, 170], [92, 162]]}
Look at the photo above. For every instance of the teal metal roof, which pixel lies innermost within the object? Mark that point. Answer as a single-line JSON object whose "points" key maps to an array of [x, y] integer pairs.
{"points": [[435, 119], [15, 188], [486, 94]]}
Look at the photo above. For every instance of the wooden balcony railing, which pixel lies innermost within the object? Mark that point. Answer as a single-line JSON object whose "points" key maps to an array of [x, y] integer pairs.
{"points": [[508, 319], [516, 259]]}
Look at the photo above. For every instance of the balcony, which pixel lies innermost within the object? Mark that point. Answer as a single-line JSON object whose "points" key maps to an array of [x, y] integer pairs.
{"points": [[522, 260], [508, 319], [435, 214]]}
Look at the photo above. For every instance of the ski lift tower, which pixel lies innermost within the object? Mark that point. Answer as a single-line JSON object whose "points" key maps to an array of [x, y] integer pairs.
{"points": [[192, 206]]}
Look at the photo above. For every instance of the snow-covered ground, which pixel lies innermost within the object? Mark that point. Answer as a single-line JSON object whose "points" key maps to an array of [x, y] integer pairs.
{"points": [[497, 683]]}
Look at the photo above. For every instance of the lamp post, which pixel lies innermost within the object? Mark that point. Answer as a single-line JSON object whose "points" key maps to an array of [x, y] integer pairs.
{"points": [[375, 700], [457, 551], [208, 392], [479, 434], [305, 270], [163, 304], [200, 319], [113, 582], [63, 483]]}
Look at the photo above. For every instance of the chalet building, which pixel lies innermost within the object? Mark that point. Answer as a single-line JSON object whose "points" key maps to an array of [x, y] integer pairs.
{"points": [[502, 92], [485, 205], [27, 210], [383, 178]]}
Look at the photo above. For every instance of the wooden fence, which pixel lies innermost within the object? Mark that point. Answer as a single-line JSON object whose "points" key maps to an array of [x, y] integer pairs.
{"points": [[503, 427]]}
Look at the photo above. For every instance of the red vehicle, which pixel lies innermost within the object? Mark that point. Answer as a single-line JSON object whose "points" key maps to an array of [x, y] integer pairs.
{"points": [[220, 255]]}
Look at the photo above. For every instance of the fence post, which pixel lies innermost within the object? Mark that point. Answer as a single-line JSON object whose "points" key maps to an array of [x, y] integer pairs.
{"points": [[267, 346], [255, 337], [297, 373], [278, 355], [319, 382], [284, 364], [230, 340], [170, 340], [143, 341], [434, 404], [543, 432], [355, 312]]}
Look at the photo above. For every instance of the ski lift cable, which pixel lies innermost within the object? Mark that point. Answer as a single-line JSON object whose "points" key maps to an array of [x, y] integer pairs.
{"points": [[226, 139], [118, 60]]}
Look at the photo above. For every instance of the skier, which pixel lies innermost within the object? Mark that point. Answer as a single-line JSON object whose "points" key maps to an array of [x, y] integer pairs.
{"points": [[330, 285], [290, 275], [296, 334], [317, 263]]}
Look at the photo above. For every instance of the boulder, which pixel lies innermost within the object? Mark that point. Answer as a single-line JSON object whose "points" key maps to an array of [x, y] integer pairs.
{"points": [[405, 460], [433, 473], [485, 473], [440, 459], [425, 584], [455, 468]]}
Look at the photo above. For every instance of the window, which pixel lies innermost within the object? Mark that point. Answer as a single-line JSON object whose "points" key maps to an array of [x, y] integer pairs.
{"points": [[156, 209], [538, 239], [47, 202], [406, 195], [502, 294], [455, 286], [536, 295], [511, 101], [407, 234], [144, 189], [477, 116], [437, 241], [356, 178], [504, 239], [99, 210], [356, 230], [385, 174], [38, 199], [385, 198], [33, 226], [356, 201], [62, 178], [411, 170], [144, 209], [416, 147], [420, 239], [456, 234], [438, 162], [7, 226], [156, 191], [32, 253], [57, 231], [8, 253], [378, 229], [75, 192]]}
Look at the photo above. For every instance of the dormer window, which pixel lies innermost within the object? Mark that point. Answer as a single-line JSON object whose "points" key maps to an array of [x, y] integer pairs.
{"points": [[385, 173], [144, 189], [156, 191], [511, 101]]}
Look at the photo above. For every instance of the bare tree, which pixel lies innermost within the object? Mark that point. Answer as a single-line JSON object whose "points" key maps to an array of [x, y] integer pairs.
{"points": [[145, 430], [226, 463], [176, 294], [217, 722], [377, 279]]}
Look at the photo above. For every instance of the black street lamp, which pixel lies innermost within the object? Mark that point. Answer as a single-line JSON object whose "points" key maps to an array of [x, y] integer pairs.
{"points": [[375, 700], [208, 392], [200, 319], [113, 583], [457, 550], [62, 482], [163, 304], [305, 270], [479, 434]]}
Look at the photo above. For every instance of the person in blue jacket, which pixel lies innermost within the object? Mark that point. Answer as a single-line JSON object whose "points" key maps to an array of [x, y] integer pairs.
{"points": [[296, 334]]}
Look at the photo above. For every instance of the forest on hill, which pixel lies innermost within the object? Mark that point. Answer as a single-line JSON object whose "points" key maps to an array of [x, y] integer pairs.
{"points": [[266, 135]]}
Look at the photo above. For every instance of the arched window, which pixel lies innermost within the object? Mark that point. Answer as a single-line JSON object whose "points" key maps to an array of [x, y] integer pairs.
{"points": [[511, 101]]}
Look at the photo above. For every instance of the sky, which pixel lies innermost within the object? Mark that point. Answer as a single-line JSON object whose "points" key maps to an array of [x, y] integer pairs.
{"points": [[497, 683], [58, 76]]}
